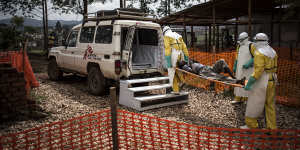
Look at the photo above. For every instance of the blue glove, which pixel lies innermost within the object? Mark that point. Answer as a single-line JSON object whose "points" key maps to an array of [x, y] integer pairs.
{"points": [[248, 64], [186, 58], [234, 66], [168, 59], [250, 83]]}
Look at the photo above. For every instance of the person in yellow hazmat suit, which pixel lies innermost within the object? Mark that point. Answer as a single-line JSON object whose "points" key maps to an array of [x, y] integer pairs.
{"points": [[51, 40], [261, 85], [243, 65], [175, 51]]}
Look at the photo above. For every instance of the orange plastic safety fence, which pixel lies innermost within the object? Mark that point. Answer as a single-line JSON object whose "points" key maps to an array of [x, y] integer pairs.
{"points": [[5, 56], [288, 90], [138, 131], [91, 131], [15, 58]]}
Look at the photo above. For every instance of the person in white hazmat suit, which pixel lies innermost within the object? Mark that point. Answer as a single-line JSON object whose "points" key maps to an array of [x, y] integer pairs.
{"points": [[261, 85], [243, 65], [175, 51]]}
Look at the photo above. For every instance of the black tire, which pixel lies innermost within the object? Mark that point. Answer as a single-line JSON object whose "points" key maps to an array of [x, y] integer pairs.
{"points": [[54, 72], [96, 81]]}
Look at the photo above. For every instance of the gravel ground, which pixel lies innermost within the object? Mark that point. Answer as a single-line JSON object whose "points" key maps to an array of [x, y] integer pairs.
{"points": [[69, 98]]}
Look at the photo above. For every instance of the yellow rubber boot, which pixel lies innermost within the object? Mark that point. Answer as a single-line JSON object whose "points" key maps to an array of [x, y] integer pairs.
{"points": [[178, 78], [251, 122], [176, 82]]}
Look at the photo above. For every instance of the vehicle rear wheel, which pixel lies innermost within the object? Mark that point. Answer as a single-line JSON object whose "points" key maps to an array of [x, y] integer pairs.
{"points": [[96, 81], [53, 71]]}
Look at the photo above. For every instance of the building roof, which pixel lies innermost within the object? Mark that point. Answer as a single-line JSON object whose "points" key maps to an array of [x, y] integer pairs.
{"points": [[225, 11]]}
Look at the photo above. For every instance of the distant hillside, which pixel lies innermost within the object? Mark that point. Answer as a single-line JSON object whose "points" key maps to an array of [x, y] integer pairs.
{"points": [[38, 23]]}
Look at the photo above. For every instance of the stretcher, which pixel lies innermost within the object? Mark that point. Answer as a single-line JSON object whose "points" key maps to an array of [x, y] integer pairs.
{"points": [[213, 79]]}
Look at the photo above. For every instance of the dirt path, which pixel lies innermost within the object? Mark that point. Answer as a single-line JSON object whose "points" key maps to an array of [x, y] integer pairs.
{"points": [[69, 98]]}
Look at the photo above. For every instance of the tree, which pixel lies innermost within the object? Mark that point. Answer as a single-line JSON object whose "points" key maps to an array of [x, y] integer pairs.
{"points": [[22, 6], [75, 6], [58, 26], [165, 7], [7, 38], [17, 21], [28, 7], [12, 35], [31, 30]]}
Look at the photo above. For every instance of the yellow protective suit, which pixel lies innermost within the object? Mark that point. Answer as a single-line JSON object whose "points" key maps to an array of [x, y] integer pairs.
{"points": [[263, 66], [243, 54], [51, 40], [175, 50]]}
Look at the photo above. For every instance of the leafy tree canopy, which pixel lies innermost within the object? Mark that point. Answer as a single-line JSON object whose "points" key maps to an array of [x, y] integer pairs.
{"points": [[26, 7], [164, 7], [75, 6], [21, 6], [17, 21]]}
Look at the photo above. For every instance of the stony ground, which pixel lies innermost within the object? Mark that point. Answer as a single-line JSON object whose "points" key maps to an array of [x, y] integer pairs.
{"points": [[69, 98]]}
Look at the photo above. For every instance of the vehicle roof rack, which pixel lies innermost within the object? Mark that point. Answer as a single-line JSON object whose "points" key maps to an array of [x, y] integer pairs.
{"points": [[120, 14]]}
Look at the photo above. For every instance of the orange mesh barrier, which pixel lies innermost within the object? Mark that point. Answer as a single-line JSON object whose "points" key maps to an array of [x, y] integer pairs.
{"points": [[288, 91], [16, 60], [91, 131], [137, 131]]}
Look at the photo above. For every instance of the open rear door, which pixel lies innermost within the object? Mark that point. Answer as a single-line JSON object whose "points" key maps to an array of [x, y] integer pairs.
{"points": [[127, 52]]}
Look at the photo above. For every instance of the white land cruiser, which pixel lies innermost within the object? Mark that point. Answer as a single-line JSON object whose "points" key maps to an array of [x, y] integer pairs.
{"points": [[112, 45]]}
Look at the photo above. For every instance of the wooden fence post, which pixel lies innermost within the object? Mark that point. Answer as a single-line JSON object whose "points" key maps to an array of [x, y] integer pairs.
{"points": [[113, 111]]}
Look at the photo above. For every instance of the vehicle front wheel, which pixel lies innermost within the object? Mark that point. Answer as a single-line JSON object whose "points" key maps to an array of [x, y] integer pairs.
{"points": [[96, 81], [53, 71]]}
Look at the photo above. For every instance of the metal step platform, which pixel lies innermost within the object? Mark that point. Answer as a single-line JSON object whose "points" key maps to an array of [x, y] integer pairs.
{"points": [[136, 94]]}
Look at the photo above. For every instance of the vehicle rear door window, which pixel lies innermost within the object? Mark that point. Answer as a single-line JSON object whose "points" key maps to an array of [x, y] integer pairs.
{"points": [[87, 35], [148, 37], [104, 34]]}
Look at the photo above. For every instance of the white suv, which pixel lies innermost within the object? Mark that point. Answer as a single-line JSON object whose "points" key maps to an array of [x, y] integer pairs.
{"points": [[108, 49]]}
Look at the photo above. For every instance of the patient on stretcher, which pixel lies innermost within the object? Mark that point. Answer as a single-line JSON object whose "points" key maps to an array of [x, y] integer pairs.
{"points": [[213, 71]]}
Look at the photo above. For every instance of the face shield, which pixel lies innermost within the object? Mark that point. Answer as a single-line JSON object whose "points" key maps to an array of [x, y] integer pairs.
{"points": [[242, 38]]}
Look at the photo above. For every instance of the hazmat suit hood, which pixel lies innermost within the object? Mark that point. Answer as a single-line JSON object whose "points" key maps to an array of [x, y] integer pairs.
{"points": [[264, 48], [262, 45], [243, 38], [173, 35], [168, 32]]}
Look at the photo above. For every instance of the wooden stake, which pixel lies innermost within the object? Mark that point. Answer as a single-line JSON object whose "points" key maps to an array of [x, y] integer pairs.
{"points": [[113, 110]]}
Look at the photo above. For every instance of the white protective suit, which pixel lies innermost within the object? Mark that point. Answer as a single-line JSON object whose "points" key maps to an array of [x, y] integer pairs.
{"points": [[244, 55]]}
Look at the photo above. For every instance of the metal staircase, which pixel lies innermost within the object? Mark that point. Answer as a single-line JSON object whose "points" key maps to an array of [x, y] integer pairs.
{"points": [[143, 94]]}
